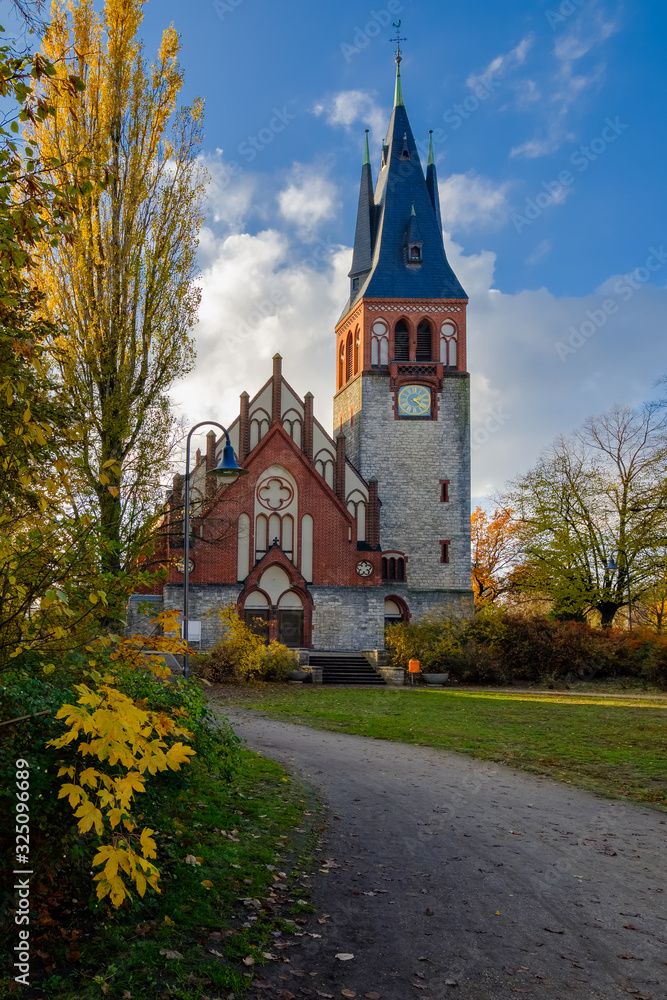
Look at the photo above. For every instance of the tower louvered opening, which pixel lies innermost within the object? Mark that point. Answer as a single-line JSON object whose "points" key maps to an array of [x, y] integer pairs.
{"points": [[401, 341], [424, 341]]}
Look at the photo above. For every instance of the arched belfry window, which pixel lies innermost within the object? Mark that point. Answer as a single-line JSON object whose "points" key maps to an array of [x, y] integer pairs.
{"points": [[341, 365], [401, 341], [357, 347], [348, 357], [424, 341]]}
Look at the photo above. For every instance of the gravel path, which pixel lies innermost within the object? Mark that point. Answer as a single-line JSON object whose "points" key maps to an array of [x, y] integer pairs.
{"points": [[460, 878]]}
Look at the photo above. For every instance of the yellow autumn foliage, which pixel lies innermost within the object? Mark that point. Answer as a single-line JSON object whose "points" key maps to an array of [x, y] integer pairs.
{"points": [[121, 288], [128, 742]]}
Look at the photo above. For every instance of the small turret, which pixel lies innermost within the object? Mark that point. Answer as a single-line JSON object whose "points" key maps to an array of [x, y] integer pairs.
{"points": [[432, 181], [362, 258]]}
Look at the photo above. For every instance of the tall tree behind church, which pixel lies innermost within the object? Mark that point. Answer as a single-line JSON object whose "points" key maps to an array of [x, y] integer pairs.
{"points": [[123, 286]]}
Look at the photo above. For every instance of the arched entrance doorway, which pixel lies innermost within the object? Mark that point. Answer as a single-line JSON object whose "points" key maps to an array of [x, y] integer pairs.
{"points": [[276, 603]]}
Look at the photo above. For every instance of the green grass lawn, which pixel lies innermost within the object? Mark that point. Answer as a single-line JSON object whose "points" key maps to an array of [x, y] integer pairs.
{"points": [[617, 747]]}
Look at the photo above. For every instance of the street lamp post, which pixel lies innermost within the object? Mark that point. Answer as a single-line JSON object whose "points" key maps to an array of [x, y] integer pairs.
{"points": [[611, 565], [227, 471]]}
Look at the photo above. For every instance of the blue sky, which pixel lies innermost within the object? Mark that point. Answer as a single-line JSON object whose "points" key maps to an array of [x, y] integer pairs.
{"points": [[604, 60], [550, 147]]}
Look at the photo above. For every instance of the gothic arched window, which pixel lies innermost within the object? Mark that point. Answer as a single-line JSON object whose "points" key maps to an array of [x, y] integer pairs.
{"points": [[401, 341], [357, 348], [424, 341], [348, 358], [341, 366]]}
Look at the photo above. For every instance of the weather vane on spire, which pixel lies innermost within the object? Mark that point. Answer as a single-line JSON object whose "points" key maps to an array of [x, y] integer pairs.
{"points": [[398, 40]]}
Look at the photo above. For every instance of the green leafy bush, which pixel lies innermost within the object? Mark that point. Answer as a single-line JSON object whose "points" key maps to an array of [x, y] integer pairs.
{"points": [[277, 662]]}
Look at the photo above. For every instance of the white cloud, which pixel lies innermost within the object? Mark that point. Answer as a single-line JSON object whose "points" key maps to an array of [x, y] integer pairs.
{"points": [[308, 199], [502, 64], [469, 201], [259, 297], [524, 392], [230, 193], [587, 32], [526, 93], [541, 250], [352, 107]]}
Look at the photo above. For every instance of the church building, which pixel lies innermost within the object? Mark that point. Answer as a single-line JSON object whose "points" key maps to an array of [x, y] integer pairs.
{"points": [[330, 536]]}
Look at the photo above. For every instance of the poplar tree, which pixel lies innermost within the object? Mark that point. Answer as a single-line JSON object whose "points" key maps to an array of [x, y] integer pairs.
{"points": [[121, 287]]}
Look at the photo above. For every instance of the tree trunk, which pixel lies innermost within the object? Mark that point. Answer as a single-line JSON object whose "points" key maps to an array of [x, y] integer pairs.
{"points": [[608, 611]]}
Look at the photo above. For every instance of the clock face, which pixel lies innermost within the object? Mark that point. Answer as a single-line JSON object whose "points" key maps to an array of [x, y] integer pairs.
{"points": [[180, 565], [414, 401], [364, 568]]}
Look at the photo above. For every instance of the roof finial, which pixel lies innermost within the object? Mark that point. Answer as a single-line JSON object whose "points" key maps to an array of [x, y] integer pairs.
{"points": [[398, 94], [398, 42], [367, 154], [431, 159]]}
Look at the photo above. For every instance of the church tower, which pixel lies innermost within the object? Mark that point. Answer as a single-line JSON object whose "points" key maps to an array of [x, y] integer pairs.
{"points": [[402, 399]]}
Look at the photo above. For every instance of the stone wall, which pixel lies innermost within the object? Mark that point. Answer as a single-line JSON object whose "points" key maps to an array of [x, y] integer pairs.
{"points": [[344, 618], [409, 458], [140, 624], [348, 618], [203, 598]]}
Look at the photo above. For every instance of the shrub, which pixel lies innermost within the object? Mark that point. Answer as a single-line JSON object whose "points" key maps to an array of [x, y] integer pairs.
{"points": [[435, 643], [499, 647], [236, 657], [655, 671], [277, 662]]}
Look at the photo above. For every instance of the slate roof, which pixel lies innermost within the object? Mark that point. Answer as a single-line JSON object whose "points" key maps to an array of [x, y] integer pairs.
{"points": [[384, 219]]}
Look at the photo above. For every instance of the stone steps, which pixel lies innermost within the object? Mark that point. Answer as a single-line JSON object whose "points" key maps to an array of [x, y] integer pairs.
{"points": [[345, 668]]}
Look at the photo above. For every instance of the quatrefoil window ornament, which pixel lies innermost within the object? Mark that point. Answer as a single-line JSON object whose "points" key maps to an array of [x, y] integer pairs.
{"points": [[275, 493]]}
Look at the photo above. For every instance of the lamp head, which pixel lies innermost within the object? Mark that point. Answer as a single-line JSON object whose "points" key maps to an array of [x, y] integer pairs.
{"points": [[228, 470], [611, 565]]}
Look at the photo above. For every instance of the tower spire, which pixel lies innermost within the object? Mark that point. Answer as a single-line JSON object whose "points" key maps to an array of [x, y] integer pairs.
{"points": [[367, 154]]}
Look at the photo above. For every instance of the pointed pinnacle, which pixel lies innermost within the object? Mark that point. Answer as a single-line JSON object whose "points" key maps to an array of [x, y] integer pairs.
{"points": [[431, 160], [367, 155]]}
